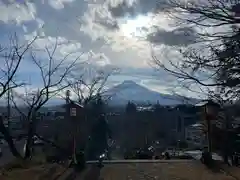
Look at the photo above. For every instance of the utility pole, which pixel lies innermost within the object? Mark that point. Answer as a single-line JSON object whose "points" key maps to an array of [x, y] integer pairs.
{"points": [[70, 113]]}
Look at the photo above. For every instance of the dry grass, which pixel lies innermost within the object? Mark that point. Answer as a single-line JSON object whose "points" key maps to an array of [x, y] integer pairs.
{"points": [[19, 164], [22, 170], [23, 174], [161, 171]]}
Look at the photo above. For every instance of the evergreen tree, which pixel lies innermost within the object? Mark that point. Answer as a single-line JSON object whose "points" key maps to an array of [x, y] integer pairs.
{"points": [[130, 108], [100, 129], [157, 107]]}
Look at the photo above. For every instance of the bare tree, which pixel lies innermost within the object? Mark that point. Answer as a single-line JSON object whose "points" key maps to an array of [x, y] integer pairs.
{"points": [[214, 61], [86, 88], [53, 73], [205, 14], [11, 57]]}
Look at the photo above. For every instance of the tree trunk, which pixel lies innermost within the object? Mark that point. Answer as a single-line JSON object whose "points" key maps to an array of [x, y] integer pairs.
{"points": [[9, 140], [31, 132], [29, 143], [226, 158], [227, 144]]}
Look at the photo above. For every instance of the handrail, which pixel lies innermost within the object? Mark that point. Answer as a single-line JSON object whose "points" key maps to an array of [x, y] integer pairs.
{"points": [[140, 161]]}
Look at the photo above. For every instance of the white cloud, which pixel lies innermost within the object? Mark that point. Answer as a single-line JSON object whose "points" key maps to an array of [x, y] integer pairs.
{"points": [[64, 46], [40, 22], [17, 13], [99, 59], [72, 49], [106, 40], [124, 37], [25, 28], [59, 4]]}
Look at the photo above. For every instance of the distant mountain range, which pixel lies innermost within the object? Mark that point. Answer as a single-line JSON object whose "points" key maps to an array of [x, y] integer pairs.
{"points": [[124, 92], [131, 91]]}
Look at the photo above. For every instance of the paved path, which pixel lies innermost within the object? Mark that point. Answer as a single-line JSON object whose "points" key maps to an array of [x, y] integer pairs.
{"points": [[137, 170], [191, 170], [7, 155]]}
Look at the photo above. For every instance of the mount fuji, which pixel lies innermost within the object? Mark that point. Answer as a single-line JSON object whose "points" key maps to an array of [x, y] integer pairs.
{"points": [[131, 91]]}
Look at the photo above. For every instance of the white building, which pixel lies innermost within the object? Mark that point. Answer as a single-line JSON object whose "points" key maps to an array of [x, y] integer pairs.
{"points": [[194, 135]]}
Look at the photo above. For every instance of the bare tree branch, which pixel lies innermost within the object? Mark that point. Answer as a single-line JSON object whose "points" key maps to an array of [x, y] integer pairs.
{"points": [[211, 13], [12, 56], [53, 73], [87, 89], [180, 72], [215, 63]]}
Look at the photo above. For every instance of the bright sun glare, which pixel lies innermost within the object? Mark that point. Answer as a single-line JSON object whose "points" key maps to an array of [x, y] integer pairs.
{"points": [[134, 27]]}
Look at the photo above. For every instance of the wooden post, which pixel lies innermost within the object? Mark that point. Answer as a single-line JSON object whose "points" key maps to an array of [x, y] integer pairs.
{"points": [[209, 138], [74, 149]]}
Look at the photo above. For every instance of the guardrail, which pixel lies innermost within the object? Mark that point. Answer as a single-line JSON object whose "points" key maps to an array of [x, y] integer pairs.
{"points": [[140, 161]]}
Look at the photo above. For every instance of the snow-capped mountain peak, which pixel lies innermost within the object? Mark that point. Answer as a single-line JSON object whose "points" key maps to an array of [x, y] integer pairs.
{"points": [[127, 85], [131, 91]]}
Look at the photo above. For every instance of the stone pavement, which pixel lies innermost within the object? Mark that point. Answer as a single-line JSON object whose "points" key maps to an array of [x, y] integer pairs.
{"points": [[136, 170], [192, 170], [231, 170]]}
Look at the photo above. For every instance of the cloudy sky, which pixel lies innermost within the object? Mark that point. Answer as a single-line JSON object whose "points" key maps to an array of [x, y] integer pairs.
{"points": [[117, 33]]}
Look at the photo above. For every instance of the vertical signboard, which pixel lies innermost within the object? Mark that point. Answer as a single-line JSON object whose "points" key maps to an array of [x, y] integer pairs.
{"points": [[73, 112]]}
